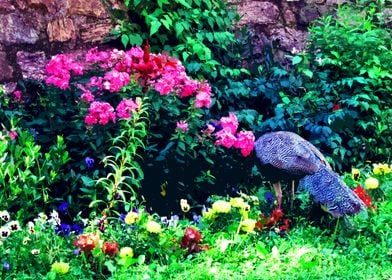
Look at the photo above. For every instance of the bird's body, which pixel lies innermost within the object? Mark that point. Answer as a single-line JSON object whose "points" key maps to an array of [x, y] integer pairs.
{"points": [[287, 156]]}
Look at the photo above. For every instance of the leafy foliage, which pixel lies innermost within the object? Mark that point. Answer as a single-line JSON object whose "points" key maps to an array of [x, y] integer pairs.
{"points": [[28, 175]]}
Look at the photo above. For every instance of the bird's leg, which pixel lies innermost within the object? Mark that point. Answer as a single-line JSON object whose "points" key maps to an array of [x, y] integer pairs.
{"points": [[292, 194], [278, 193]]}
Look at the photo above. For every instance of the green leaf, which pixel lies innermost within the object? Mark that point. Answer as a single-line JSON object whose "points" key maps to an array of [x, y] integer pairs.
{"points": [[296, 60], [184, 3], [155, 25], [135, 39], [124, 40], [308, 73]]}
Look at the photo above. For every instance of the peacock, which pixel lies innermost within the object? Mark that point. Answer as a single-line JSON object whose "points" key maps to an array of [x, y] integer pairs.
{"points": [[287, 156]]}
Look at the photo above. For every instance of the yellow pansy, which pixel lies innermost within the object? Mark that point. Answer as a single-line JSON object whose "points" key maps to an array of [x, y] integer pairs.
{"points": [[381, 169], [126, 252], [356, 173]]}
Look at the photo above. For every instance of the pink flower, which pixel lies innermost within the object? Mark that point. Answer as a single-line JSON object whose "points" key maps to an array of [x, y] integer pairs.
{"points": [[229, 123], [125, 108], [58, 70], [189, 87], [17, 95], [225, 138], [182, 125], [115, 80], [203, 97], [101, 113], [87, 95], [13, 135], [245, 141]]}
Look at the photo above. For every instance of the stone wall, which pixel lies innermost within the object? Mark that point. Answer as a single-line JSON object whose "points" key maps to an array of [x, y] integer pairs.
{"points": [[283, 22], [31, 31]]}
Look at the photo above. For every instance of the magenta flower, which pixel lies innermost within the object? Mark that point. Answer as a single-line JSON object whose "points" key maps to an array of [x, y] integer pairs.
{"points": [[229, 123], [101, 113], [17, 95], [203, 97], [225, 138], [125, 108], [245, 141], [182, 125], [115, 80]]}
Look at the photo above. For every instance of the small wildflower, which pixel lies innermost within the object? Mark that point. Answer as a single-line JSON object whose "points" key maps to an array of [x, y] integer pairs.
{"points": [[26, 240], [381, 169], [87, 242], [89, 162], [182, 125], [5, 216], [356, 173], [6, 266], [126, 252], [237, 202], [248, 225], [207, 213], [63, 207], [60, 267], [31, 227], [54, 218], [35, 252], [14, 226], [110, 248], [174, 219], [221, 206], [371, 183], [184, 205], [4, 233], [131, 218], [153, 227]]}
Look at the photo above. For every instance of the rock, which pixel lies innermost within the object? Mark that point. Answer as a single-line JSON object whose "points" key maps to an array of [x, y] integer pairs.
{"points": [[289, 39], [21, 4], [52, 6], [15, 30], [256, 12], [309, 14], [61, 30], [289, 18], [92, 8], [32, 64], [96, 31], [6, 69], [5, 5], [10, 87]]}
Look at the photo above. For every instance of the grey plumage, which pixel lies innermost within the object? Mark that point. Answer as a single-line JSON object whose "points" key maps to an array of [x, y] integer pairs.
{"points": [[287, 156]]}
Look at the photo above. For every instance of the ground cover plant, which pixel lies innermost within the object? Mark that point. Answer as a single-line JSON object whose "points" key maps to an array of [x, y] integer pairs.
{"points": [[139, 163]]}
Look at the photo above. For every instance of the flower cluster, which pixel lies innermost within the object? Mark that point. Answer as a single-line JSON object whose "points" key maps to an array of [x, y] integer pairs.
{"points": [[225, 132], [59, 70], [382, 169], [192, 241], [161, 72], [9, 225]]}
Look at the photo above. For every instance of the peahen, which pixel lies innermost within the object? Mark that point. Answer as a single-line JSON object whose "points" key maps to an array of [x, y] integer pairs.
{"points": [[287, 156]]}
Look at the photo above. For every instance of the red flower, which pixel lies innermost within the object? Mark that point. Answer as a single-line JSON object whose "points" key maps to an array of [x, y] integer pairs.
{"points": [[273, 220], [336, 106], [110, 248], [364, 196], [191, 241]]}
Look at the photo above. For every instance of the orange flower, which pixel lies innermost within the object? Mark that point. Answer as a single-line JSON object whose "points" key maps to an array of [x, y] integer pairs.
{"points": [[87, 242]]}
